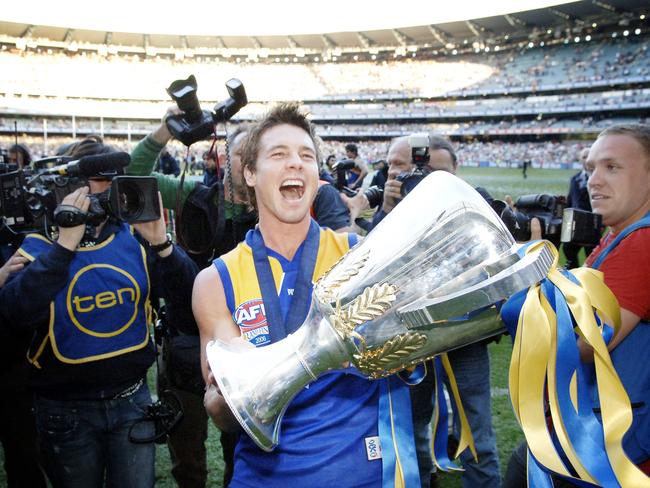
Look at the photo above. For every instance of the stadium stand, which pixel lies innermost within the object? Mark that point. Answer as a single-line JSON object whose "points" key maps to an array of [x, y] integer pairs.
{"points": [[559, 82]]}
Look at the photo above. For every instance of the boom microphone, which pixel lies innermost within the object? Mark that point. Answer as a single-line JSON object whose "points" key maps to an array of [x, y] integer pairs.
{"points": [[109, 164]]}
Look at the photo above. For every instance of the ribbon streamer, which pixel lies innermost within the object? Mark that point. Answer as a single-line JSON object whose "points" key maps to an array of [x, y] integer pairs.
{"points": [[547, 323]]}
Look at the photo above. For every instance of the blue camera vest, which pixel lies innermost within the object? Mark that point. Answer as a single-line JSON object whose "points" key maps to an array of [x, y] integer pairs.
{"points": [[103, 311]]}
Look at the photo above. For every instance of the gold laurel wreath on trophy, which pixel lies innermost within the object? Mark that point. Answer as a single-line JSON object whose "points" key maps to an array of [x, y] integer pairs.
{"points": [[328, 292], [371, 304]]}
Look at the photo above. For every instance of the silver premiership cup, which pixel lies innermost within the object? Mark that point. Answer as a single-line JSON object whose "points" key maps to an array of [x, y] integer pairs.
{"points": [[426, 280]]}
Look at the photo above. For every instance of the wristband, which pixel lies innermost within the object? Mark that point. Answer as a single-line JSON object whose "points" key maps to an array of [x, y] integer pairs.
{"points": [[161, 247]]}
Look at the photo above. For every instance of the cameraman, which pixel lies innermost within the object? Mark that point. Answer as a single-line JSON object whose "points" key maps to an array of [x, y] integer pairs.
{"points": [[17, 426], [471, 364], [85, 297]]}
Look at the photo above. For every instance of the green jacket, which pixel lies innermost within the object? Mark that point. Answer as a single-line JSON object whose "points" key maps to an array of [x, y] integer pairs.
{"points": [[143, 160]]}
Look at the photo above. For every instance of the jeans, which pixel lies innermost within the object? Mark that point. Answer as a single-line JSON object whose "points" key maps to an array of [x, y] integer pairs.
{"points": [[471, 367], [85, 441]]}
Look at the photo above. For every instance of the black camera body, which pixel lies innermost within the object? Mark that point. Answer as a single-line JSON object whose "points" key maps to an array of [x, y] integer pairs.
{"points": [[546, 208], [13, 201], [341, 168], [420, 157], [374, 194], [27, 203], [196, 124], [131, 199]]}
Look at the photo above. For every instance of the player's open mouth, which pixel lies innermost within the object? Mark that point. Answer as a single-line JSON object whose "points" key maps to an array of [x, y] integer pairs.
{"points": [[292, 189]]}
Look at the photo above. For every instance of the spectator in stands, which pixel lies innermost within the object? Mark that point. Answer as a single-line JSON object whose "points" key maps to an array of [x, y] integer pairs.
{"points": [[619, 190], [578, 198]]}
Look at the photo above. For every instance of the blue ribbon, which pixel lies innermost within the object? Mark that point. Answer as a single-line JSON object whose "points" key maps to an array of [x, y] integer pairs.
{"points": [[583, 429], [396, 429], [441, 438], [301, 300]]}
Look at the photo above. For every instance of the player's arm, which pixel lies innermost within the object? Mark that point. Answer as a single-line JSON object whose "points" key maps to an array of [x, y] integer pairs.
{"points": [[215, 322]]}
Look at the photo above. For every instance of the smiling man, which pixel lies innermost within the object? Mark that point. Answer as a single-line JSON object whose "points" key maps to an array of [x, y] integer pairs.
{"points": [[261, 291], [619, 189]]}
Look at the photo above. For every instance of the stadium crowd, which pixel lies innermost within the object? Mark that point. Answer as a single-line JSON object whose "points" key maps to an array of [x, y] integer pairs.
{"points": [[530, 68]]}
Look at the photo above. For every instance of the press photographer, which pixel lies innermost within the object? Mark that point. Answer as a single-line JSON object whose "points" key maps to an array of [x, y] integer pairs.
{"points": [[210, 221], [91, 348]]}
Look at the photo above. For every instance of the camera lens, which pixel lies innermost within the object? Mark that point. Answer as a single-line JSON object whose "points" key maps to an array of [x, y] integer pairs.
{"points": [[183, 92], [130, 201], [375, 196]]}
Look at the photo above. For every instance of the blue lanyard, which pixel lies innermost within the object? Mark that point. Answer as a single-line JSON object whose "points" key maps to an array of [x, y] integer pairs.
{"points": [[301, 299]]}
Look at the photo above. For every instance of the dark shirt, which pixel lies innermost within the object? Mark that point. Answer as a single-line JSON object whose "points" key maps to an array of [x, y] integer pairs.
{"points": [[578, 193], [329, 210]]}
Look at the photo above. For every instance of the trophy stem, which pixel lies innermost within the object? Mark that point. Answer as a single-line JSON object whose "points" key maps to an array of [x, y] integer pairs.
{"points": [[259, 384]]}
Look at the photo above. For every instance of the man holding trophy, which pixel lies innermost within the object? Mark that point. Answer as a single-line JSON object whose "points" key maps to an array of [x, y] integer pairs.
{"points": [[261, 292]]}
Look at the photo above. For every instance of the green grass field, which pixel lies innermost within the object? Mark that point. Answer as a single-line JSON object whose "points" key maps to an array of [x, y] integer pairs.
{"points": [[499, 182]]}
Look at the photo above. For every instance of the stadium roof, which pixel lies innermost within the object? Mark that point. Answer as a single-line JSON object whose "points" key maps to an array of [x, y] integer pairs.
{"points": [[295, 24]]}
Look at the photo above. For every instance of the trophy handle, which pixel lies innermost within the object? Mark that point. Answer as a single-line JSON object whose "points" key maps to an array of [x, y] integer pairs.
{"points": [[529, 270]]}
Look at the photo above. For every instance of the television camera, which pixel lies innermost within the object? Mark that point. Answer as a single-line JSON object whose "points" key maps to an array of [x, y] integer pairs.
{"points": [[30, 200], [196, 124], [559, 224]]}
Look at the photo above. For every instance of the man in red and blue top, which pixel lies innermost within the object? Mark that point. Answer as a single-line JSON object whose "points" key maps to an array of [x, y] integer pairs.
{"points": [[619, 189]]}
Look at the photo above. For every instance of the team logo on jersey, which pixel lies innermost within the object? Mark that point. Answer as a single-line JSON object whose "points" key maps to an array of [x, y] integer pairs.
{"points": [[250, 316]]}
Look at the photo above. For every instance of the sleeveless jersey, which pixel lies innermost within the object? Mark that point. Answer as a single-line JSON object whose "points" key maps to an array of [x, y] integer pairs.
{"points": [[326, 427]]}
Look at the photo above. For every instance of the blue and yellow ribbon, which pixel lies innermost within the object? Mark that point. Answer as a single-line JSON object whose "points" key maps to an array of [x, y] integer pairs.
{"points": [[546, 367], [399, 459], [439, 423]]}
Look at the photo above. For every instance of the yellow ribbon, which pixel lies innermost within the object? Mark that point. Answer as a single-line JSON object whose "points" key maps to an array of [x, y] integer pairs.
{"points": [[466, 438], [534, 360]]}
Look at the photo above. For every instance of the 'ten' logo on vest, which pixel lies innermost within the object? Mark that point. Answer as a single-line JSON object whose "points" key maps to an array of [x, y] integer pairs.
{"points": [[103, 300]]}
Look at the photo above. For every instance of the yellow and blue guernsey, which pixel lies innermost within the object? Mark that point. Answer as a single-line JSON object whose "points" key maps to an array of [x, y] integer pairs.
{"points": [[103, 310], [329, 433]]}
